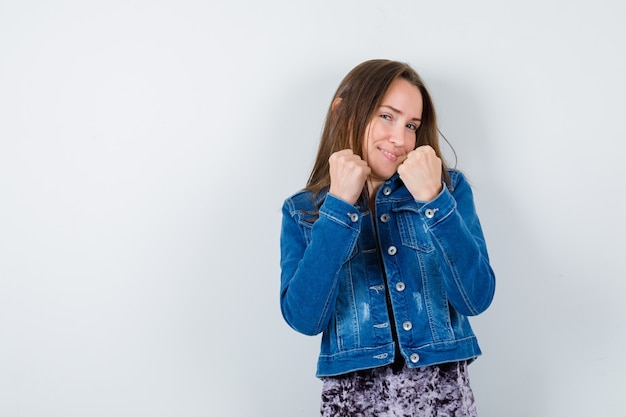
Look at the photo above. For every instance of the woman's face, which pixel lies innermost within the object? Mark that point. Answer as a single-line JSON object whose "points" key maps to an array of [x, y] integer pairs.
{"points": [[390, 135]]}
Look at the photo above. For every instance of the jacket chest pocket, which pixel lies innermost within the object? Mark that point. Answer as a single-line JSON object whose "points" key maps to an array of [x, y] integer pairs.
{"points": [[413, 233]]}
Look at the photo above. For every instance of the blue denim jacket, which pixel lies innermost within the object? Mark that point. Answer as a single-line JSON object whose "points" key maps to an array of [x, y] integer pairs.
{"points": [[428, 258]]}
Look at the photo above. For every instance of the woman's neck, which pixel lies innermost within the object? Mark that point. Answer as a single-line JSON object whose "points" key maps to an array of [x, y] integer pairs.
{"points": [[372, 189]]}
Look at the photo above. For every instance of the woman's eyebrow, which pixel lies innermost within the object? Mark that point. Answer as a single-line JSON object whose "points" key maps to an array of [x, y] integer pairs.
{"points": [[399, 111]]}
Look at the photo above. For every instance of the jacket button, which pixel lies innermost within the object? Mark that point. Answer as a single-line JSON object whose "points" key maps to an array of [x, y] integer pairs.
{"points": [[392, 250], [386, 190], [384, 218], [354, 217], [407, 325], [400, 286], [430, 213], [415, 358]]}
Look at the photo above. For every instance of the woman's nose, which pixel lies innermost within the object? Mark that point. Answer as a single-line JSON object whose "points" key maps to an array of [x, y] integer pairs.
{"points": [[396, 136]]}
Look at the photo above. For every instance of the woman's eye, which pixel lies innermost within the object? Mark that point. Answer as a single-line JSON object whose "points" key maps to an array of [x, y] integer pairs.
{"points": [[386, 116], [411, 126]]}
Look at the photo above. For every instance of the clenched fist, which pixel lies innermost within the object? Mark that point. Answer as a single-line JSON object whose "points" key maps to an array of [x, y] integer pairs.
{"points": [[348, 173], [421, 173]]}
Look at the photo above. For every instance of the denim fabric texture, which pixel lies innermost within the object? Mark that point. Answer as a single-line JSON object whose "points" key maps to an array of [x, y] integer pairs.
{"points": [[428, 258]]}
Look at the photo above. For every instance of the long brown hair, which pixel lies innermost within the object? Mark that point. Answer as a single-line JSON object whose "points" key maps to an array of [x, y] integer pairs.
{"points": [[360, 94]]}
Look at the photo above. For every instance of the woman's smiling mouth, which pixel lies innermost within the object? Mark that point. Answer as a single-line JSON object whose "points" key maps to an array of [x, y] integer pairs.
{"points": [[390, 156]]}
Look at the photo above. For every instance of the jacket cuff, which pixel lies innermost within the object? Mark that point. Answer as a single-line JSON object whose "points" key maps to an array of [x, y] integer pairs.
{"points": [[341, 212], [437, 209]]}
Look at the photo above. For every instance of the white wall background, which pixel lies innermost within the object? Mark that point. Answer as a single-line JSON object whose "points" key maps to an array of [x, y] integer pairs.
{"points": [[146, 148]]}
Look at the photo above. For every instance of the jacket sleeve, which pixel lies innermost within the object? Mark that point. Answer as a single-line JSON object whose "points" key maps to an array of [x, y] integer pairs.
{"points": [[453, 223], [311, 265]]}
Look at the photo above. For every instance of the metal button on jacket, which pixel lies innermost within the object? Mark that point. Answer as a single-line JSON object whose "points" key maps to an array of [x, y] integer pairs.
{"points": [[415, 358], [407, 325], [400, 286], [386, 190], [384, 218], [430, 213], [354, 217], [392, 250]]}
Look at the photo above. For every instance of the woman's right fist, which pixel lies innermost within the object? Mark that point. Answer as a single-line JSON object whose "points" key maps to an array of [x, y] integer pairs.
{"points": [[348, 173]]}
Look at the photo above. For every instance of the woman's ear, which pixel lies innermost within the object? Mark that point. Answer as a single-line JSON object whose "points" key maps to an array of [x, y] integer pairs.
{"points": [[336, 101]]}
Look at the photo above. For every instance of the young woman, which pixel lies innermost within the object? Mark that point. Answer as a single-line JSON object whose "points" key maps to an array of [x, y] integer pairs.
{"points": [[383, 253]]}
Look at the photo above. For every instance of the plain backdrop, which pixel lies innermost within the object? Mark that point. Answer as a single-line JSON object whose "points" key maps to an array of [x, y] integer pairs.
{"points": [[146, 148]]}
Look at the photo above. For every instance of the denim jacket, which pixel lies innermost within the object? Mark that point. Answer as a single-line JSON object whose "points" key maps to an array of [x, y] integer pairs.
{"points": [[426, 260]]}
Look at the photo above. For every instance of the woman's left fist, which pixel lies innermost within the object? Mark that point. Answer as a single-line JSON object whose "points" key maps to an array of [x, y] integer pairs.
{"points": [[421, 173]]}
